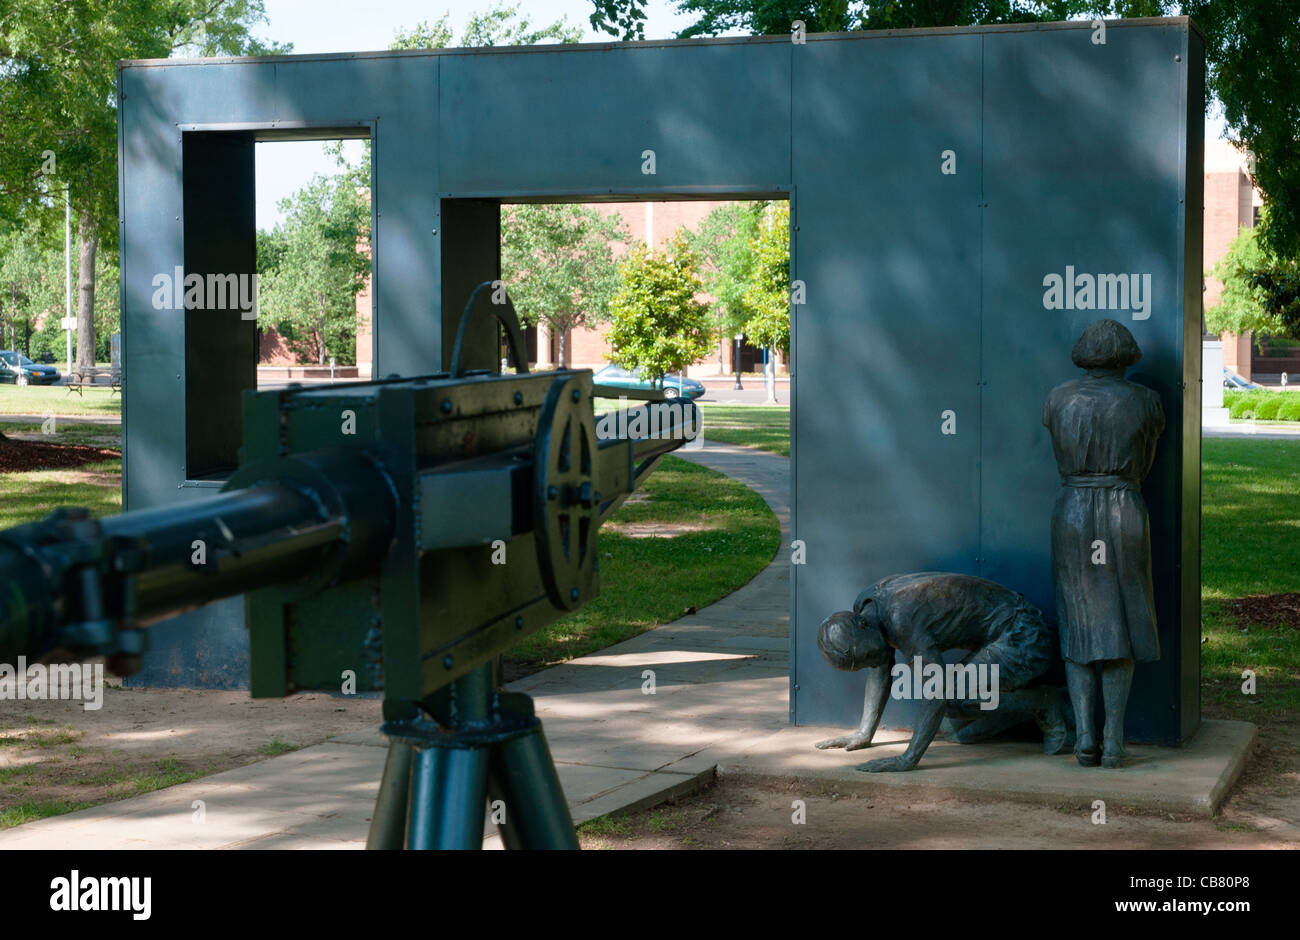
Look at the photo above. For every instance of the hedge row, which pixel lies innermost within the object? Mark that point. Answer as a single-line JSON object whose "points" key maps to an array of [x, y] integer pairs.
{"points": [[1263, 405]]}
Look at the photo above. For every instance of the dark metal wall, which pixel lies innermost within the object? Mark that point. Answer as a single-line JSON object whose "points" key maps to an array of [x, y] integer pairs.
{"points": [[924, 289]]}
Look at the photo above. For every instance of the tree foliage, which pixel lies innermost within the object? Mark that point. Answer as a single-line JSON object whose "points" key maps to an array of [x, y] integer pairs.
{"points": [[58, 87], [767, 293], [31, 284], [1252, 47], [558, 265], [658, 325], [1240, 308], [32, 278], [312, 265], [723, 242], [502, 25], [1261, 293]]}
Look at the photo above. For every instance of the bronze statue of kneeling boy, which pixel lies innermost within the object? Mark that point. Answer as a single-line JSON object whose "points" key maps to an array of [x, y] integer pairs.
{"points": [[923, 616]]}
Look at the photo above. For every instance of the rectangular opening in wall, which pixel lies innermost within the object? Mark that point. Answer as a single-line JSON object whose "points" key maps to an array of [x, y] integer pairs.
{"points": [[564, 264], [219, 258], [314, 257], [274, 287]]}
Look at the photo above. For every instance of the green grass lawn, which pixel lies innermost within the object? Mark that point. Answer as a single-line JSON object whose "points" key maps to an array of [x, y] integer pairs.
{"points": [[1250, 544], [66, 432], [763, 426], [729, 535], [55, 399], [27, 497]]}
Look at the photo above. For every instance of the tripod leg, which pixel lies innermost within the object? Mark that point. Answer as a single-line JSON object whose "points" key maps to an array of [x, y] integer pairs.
{"points": [[537, 815], [448, 794], [388, 824]]}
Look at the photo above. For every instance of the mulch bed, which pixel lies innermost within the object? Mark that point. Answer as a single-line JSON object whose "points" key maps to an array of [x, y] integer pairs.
{"points": [[22, 456], [1268, 610]]}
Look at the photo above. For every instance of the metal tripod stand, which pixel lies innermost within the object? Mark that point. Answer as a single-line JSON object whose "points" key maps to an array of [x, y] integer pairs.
{"points": [[481, 743]]}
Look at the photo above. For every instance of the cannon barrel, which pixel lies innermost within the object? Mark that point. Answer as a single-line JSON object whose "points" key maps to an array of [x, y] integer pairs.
{"points": [[71, 582], [366, 529]]}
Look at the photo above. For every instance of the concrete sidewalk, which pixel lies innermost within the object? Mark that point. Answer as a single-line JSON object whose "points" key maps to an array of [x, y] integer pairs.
{"points": [[720, 705], [1268, 432]]}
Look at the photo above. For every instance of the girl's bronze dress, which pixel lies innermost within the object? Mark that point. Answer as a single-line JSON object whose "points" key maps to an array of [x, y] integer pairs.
{"points": [[1104, 431]]}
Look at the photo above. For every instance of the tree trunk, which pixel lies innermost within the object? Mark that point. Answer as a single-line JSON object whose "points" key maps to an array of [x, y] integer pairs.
{"points": [[564, 349], [86, 291], [320, 331], [769, 376]]}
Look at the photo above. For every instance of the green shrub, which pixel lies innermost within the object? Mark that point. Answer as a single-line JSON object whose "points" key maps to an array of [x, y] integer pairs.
{"points": [[1244, 406], [1231, 396], [1290, 410], [1267, 408]]}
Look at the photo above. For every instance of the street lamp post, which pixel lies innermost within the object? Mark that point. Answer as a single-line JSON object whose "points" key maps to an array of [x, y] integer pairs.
{"points": [[69, 324], [738, 387]]}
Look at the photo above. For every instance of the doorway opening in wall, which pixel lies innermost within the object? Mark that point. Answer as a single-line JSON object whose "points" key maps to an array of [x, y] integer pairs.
{"points": [[682, 293], [276, 235], [314, 319]]}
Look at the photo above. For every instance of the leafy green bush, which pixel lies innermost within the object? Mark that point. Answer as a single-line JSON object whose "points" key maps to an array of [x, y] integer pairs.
{"points": [[1267, 408], [1231, 396], [1290, 410], [1244, 406]]}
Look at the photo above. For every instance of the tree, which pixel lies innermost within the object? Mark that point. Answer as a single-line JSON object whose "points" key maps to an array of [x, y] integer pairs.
{"points": [[658, 325], [502, 25], [1261, 294], [58, 85], [558, 265], [723, 242], [310, 268], [768, 292], [622, 18], [31, 283], [1252, 47], [626, 18]]}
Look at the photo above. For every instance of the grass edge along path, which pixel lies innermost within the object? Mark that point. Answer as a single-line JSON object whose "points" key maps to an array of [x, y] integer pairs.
{"points": [[723, 535]]}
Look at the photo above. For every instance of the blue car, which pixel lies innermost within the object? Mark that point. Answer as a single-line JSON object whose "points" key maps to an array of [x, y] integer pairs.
{"points": [[17, 369], [1233, 380], [673, 386]]}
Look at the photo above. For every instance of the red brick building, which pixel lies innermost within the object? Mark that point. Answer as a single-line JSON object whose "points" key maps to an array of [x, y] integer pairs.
{"points": [[1231, 202], [651, 222]]}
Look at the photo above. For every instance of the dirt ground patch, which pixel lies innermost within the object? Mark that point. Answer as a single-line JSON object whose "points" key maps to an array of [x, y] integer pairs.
{"points": [[1262, 812], [20, 456], [1269, 610], [734, 814], [55, 756]]}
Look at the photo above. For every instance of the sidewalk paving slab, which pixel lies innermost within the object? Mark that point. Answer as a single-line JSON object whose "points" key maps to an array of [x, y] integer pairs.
{"points": [[1194, 779]]}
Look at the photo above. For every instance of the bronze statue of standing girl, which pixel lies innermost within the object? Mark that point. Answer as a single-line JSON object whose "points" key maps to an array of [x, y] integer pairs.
{"points": [[1104, 431]]}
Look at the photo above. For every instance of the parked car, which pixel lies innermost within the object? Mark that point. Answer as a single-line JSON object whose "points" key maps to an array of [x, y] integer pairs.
{"points": [[672, 386], [1233, 380], [17, 369]]}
